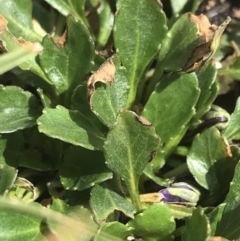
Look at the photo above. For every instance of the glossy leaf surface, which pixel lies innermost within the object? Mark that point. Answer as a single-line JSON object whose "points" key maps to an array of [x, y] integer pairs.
{"points": [[206, 163], [76, 8], [206, 79], [233, 130], [67, 60], [169, 108], [154, 222], [70, 126], [132, 35], [19, 109], [19, 16]]}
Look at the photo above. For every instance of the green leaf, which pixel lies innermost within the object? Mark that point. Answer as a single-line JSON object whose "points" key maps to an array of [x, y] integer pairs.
{"points": [[26, 77], [34, 159], [106, 18], [108, 98], [155, 222], [11, 146], [190, 43], [233, 129], [177, 6], [105, 201], [179, 43], [115, 229], [138, 38], [19, 109], [228, 227], [206, 79], [19, 212], [11, 43], [128, 149], [82, 169], [215, 217], [43, 17], [19, 17], [14, 58], [19, 226], [7, 177], [80, 102], [197, 227], [78, 213], [148, 171], [67, 61], [180, 211], [232, 71], [171, 105], [73, 7], [206, 164], [74, 128]]}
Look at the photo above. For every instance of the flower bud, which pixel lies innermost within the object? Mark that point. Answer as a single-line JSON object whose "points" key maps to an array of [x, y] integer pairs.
{"points": [[180, 193]]}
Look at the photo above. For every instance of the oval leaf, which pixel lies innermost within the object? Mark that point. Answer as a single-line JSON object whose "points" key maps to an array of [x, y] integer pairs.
{"points": [[129, 146], [104, 201], [206, 79], [110, 94], [19, 16], [169, 108], [67, 60], [70, 126], [76, 8], [138, 38], [206, 163], [18, 109], [156, 222]]}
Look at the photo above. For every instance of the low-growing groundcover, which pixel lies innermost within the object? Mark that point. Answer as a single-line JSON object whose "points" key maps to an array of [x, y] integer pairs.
{"points": [[111, 122]]}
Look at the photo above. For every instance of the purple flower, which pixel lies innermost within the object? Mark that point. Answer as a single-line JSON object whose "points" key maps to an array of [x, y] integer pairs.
{"points": [[180, 193]]}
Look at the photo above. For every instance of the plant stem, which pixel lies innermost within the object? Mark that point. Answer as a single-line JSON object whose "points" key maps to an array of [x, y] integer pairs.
{"points": [[118, 183], [60, 25], [181, 150], [134, 194], [131, 96], [154, 80], [177, 171], [172, 143]]}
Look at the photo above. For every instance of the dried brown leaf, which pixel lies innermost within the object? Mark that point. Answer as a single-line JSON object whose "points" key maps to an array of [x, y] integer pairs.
{"points": [[3, 24], [104, 74], [61, 40], [34, 47], [209, 38], [204, 27], [143, 120], [228, 148]]}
